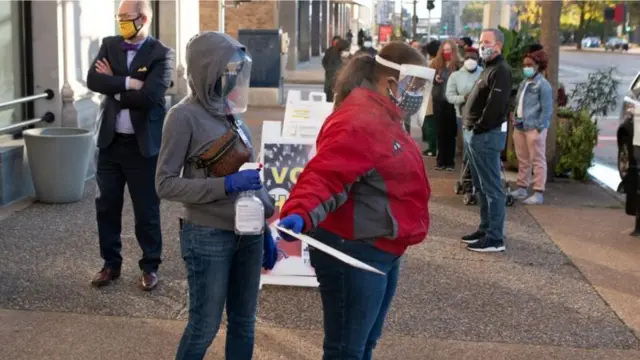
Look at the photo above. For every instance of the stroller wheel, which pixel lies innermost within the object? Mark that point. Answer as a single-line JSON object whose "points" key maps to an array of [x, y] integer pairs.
{"points": [[510, 200], [469, 199], [458, 188]]}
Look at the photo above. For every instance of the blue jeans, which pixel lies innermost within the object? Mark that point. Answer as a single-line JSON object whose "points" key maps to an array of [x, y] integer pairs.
{"points": [[355, 302], [221, 266], [483, 151]]}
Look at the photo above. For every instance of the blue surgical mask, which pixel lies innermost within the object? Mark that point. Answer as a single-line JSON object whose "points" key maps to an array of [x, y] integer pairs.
{"points": [[528, 72]]}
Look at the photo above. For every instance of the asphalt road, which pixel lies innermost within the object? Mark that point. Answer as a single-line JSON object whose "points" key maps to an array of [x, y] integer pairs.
{"points": [[574, 68]]}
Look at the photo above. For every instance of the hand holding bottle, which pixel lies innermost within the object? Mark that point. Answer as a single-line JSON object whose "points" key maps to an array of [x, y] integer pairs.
{"points": [[243, 180]]}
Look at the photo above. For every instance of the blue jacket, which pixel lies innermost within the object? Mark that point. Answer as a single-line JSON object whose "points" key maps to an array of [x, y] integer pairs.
{"points": [[537, 105]]}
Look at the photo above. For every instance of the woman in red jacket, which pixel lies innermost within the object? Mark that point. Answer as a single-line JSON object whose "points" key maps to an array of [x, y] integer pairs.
{"points": [[365, 193]]}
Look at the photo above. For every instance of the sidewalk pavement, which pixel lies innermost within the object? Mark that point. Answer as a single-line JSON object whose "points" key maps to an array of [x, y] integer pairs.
{"points": [[310, 72], [532, 302], [633, 50]]}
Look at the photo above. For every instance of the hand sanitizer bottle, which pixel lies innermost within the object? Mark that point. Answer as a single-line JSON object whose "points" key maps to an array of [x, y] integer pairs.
{"points": [[249, 209]]}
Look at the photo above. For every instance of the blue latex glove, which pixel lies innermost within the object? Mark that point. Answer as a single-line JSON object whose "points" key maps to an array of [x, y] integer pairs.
{"points": [[242, 181], [270, 256], [294, 223]]}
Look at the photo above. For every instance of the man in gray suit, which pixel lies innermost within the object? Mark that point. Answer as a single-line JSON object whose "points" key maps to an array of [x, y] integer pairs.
{"points": [[133, 71]]}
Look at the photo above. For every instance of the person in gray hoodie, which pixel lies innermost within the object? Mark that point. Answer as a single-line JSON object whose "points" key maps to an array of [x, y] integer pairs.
{"points": [[221, 265]]}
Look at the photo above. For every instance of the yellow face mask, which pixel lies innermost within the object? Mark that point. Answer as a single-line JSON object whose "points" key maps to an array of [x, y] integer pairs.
{"points": [[128, 28]]}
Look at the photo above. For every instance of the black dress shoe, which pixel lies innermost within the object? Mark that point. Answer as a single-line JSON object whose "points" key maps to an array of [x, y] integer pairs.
{"points": [[148, 281], [105, 276], [473, 237]]}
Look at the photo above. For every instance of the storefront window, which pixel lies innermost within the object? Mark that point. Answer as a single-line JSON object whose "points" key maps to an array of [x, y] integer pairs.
{"points": [[11, 61]]}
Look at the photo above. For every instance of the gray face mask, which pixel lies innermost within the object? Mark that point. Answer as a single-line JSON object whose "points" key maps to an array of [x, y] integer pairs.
{"points": [[486, 53]]}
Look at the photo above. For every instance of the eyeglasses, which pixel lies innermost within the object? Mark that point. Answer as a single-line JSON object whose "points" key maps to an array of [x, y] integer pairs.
{"points": [[127, 17]]}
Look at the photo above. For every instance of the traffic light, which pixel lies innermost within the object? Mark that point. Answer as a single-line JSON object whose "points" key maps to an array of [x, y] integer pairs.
{"points": [[431, 5]]}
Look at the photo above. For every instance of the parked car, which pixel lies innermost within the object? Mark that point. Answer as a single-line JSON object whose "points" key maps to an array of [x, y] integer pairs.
{"points": [[590, 42], [627, 152], [615, 43]]}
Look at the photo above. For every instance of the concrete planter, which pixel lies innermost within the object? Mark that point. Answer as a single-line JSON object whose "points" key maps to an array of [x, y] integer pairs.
{"points": [[59, 159]]}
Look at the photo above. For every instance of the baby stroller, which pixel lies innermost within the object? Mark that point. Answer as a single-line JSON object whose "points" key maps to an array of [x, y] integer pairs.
{"points": [[464, 185]]}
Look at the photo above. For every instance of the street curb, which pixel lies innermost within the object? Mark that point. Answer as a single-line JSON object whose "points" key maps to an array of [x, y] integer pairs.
{"points": [[614, 194], [303, 82], [584, 51]]}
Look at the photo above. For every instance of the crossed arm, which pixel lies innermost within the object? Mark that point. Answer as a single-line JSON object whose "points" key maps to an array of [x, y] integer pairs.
{"points": [[132, 93]]}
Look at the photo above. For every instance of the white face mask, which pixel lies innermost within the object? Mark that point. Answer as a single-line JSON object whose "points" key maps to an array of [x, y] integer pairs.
{"points": [[470, 64], [368, 44], [345, 54]]}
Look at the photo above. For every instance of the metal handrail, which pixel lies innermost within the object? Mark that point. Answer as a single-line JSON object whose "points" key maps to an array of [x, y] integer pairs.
{"points": [[48, 117], [47, 94]]}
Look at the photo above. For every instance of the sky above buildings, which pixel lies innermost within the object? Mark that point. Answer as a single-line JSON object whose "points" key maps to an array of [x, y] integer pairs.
{"points": [[423, 13]]}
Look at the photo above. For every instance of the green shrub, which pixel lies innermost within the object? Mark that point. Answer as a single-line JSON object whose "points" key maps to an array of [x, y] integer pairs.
{"points": [[576, 142]]}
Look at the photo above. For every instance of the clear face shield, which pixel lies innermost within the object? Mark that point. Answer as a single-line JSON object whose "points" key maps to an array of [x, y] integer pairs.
{"points": [[233, 86], [414, 84]]}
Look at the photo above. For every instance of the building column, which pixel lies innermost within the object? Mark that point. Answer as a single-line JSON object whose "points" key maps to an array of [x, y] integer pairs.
{"points": [[497, 13], [335, 19], [176, 17], [48, 57], [315, 27], [288, 16], [304, 29], [325, 25]]}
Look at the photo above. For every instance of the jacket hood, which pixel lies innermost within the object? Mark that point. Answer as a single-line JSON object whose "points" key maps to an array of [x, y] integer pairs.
{"points": [[207, 56]]}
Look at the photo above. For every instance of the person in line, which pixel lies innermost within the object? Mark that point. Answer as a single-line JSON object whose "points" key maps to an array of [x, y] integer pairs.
{"points": [[361, 149], [430, 51], [460, 83], [445, 63], [534, 108], [349, 37], [222, 266], [484, 122], [416, 44], [361, 38], [464, 43], [332, 62], [133, 72], [367, 48]]}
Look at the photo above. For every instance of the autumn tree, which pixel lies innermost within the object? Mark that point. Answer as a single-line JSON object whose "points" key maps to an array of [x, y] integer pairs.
{"points": [[581, 14]]}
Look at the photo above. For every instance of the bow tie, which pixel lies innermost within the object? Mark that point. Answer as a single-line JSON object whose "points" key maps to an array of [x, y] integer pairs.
{"points": [[130, 47]]}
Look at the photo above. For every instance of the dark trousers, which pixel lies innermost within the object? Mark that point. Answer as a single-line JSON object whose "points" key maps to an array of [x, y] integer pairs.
{"points": [[429, 133], [355, 302], [119, 164], [328, 90], [446, 132]]}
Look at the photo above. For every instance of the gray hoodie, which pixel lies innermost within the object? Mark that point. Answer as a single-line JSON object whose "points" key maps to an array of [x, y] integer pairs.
{"points": [[190, 128]]}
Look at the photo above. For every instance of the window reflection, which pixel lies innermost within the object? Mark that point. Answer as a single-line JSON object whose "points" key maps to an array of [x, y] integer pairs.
{"points": [[10, 61]]}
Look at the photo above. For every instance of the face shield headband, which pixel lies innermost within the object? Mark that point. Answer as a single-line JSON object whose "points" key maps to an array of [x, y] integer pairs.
{"points": [[233, 85], [413, 82]]}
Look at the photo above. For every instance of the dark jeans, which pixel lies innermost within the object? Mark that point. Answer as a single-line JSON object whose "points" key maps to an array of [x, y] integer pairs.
{"points": [[446, 131], [429, 133], [221, 266], [119, 164], [355, 302], [484, 151]]}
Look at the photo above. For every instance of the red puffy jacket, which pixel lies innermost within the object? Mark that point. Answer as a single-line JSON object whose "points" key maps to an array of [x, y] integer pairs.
{"points": [[367, 180]]}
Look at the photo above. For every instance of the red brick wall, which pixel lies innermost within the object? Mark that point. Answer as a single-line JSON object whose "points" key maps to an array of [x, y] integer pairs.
{"points": [[257, 14]]}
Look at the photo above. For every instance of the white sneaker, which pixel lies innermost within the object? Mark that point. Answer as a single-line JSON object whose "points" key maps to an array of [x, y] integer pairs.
{"points": [[536, 199], [519, 194]]}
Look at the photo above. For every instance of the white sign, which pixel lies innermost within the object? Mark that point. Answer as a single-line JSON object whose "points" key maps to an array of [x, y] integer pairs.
{"points": [[304, 118]]}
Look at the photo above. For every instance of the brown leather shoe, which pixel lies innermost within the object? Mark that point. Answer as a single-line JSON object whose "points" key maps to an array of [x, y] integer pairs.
{"points": [[148, 281], [105, 276]]}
